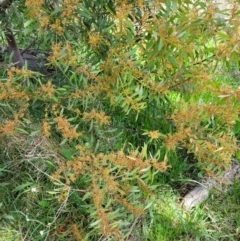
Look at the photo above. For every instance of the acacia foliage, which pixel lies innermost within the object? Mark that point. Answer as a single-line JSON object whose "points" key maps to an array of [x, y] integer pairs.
{"points": [[125, 62]]}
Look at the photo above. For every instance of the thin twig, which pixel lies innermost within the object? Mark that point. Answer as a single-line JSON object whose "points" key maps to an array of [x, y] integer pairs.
{"points": [[132, 226]]}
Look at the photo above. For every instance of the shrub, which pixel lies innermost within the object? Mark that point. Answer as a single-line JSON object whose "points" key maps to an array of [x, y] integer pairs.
{"points": [[133, 81]]}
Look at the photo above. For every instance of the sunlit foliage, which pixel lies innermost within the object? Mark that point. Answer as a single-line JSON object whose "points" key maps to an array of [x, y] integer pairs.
{"points": [[133, 60]]}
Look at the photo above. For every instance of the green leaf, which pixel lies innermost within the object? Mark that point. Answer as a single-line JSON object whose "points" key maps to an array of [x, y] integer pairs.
{"points": [[144, 150], [43, 203], [95, 223], [56, 11], [86, 196], [22, 186], [34, 133], [29, 22], [160, 45], [148, 206], [174, 5], [55, 98], [21, 130], [8, 217], [67, 153]]}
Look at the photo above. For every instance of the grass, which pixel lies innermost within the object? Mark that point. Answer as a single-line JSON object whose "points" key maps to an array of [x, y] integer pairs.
{"points": [[9, 233], [29, 208], [216, 219], [30, 211]]}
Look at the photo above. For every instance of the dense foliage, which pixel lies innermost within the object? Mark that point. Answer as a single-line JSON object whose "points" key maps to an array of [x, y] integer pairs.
{"points": [[121, 88]]}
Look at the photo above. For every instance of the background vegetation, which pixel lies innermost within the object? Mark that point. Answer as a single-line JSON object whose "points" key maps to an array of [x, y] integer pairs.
{"points": [[118, 111]]}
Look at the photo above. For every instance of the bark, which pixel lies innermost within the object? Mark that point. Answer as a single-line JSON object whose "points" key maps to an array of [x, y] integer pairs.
{"points": [[201, 192], [4, 5], [17, 59], [12, 44]]}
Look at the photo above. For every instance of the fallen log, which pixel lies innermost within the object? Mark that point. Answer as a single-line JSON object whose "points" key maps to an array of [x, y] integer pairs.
{"points": [[201, 192]]}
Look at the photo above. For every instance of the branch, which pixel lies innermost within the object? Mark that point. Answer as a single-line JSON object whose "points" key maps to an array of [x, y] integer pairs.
{"points": [[12, 44], [4, 5], [13, 47]]}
